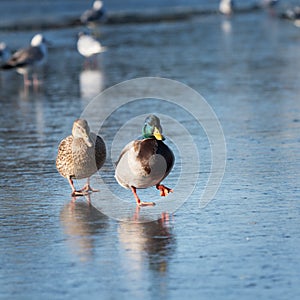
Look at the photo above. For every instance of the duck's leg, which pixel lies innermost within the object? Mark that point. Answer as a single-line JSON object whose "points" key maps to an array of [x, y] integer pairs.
{"points": [[138, 200], [164, 191], [88, 188], [74, 192]]}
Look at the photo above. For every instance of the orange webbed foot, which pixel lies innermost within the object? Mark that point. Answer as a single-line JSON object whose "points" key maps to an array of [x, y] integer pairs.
{"points": [[87, 188], [164, 191]]}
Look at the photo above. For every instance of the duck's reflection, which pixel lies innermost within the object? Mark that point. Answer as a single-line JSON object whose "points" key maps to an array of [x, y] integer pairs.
{"points": [[91, 83], [82, 223], [151, 242]]}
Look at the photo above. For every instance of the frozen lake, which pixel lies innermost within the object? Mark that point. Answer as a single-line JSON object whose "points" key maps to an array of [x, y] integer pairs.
{"points": [[243, 245]]}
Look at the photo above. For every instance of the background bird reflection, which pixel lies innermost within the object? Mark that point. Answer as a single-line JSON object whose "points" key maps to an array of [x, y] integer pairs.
{"points": [[91, 83]]}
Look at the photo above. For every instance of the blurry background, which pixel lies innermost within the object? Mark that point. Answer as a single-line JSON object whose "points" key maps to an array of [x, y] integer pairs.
{"points": [[244, 244]]}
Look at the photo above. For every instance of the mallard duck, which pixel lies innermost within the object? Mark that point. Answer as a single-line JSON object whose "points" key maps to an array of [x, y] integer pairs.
{"points": [[80, 155], [146, 162]]}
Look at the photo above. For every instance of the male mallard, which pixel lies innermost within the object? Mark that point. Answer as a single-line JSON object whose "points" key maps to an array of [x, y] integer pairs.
{"points": [[146, 162], [80, 155]]}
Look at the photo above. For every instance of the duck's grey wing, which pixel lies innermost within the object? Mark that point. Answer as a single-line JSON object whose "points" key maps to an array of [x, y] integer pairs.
{"points": [[23, 58], [143, 149]]}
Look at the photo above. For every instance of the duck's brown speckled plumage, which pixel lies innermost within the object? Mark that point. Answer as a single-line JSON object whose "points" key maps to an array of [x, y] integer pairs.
{"points": [[76, 160]]}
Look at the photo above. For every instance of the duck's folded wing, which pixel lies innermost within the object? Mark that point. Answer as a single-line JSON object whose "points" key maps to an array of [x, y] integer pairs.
{"points": [[100, 149]]}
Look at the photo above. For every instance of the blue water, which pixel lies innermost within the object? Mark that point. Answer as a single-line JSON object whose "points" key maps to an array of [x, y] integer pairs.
{"points": [[243, 245]]}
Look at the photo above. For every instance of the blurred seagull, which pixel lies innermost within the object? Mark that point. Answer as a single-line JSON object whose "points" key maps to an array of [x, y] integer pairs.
{"points": [[226, 7], [292, 14], [270, 6], [95, 14], [87, 46], [27, 58], [269, 3], [4, 53]]}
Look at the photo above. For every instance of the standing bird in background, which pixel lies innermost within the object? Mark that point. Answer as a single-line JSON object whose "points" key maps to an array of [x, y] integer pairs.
{"points": [[95, 14], [80, 155], [4, 53], [270, 6], [226, 7], [28, 58], [292, 14], [146, 162], [88, 47], [269, 3]]}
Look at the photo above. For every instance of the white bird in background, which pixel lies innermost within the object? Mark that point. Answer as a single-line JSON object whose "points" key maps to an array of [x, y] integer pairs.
{"points": [[95, 14], [88, 46], [4, 53], [226, 7], [28, 58]]}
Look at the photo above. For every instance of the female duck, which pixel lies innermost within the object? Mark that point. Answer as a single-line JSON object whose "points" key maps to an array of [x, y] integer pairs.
{"points": [[146, 162], [80, 155]]}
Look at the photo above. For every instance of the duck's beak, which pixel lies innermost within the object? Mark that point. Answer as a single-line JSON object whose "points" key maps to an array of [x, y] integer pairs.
{"points": [[88, 141], [157, 134]]}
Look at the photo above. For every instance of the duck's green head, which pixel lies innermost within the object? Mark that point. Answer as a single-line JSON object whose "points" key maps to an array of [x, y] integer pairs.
{"points": [[81, 129], [152, 128]]}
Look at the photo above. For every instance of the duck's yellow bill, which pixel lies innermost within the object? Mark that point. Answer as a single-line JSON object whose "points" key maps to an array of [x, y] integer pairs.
{"points": [[157, 134]]}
